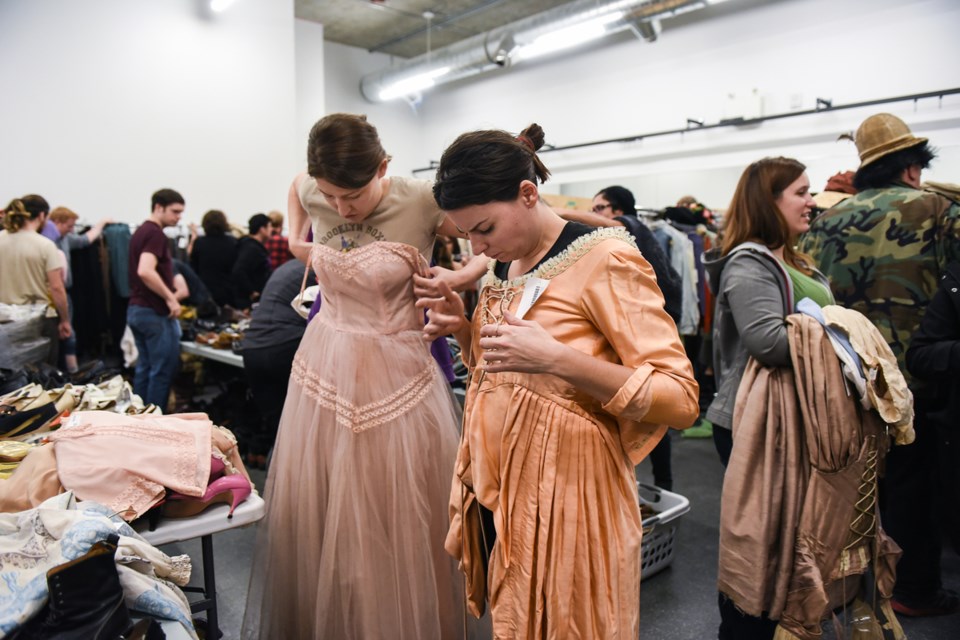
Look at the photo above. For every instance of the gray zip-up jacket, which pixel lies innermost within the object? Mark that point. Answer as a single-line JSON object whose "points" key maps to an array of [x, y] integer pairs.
{"points": [[754, 295]]}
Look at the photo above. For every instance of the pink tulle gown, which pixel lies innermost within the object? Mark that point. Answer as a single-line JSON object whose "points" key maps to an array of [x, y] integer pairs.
{"points": [[357, 493]]}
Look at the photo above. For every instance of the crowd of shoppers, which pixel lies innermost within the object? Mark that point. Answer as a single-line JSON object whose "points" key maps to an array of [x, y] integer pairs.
{"points": [[833, 342]]}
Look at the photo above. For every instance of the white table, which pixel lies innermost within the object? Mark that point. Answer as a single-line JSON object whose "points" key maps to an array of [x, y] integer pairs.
{"points": [[172, 629], [206, 351], [204, 525]]}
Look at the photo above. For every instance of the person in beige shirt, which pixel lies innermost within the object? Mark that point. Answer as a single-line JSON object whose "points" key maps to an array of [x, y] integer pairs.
{"points": [[33, 270]]}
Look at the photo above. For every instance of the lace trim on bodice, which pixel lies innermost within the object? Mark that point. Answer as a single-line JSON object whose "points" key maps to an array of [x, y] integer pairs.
{"points": [[497, 295], [359, 418], [349, 263], [562, 261]]}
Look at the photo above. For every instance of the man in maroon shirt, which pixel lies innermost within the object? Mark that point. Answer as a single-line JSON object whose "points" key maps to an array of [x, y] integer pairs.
{"points": [[153, 310]]}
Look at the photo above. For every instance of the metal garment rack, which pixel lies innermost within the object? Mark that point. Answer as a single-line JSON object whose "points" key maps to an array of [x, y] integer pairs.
{"points": [[823, 106]]}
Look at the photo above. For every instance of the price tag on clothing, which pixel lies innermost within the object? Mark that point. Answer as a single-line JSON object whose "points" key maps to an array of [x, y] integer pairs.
{"points": [[72, 421], [532, 290]]}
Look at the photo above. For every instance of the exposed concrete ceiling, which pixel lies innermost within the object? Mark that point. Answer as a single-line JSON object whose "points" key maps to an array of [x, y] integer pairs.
{"points": [[398, 27]]}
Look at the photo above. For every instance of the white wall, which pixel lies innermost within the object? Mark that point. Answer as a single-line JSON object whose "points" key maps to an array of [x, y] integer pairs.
{"points": [[311, 87], [400, 127], [105, 101], [789, 52]]}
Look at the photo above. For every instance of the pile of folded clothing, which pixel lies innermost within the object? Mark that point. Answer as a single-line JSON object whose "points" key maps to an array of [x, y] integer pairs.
{"points": [[28, 415], [79, 571]]}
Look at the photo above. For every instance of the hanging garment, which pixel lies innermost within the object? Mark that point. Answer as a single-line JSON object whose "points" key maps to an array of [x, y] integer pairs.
{"points": [[89, 298], [799, 523], [117, 237], [682, 261]]}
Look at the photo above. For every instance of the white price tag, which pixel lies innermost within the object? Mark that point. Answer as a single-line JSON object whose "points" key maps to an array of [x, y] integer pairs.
{"points": [[532, 290]]}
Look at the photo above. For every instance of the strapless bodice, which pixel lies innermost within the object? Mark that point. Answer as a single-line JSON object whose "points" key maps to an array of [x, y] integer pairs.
{"points": [[368, 289]]}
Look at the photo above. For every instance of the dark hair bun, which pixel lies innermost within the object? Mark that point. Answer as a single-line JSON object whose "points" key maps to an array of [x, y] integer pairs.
{"points": [[533, 134]]}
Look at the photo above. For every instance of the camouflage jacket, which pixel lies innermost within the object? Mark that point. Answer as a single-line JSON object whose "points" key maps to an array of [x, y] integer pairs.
{"points": [[884, 251]]}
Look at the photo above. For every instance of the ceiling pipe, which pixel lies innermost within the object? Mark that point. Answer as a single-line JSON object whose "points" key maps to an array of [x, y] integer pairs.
{"points": [[739, 122], [486, 52], [448, 21]]}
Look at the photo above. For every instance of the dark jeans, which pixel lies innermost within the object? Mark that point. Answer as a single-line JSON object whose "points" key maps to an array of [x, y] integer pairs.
{"points": [[50, 329], [68, 347], [268, 374], [723, 441], [907, 508], [158, 353]]}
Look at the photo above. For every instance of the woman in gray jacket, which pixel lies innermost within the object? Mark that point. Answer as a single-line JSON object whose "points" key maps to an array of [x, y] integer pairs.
{"points": [[757, 279]]}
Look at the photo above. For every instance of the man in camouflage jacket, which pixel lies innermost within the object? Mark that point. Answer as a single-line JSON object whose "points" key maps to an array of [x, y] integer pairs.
{"points": [[884, 250]]}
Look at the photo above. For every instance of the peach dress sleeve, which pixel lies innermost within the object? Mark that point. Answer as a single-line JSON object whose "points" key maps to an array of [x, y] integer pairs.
{"points": [[554, 465]]}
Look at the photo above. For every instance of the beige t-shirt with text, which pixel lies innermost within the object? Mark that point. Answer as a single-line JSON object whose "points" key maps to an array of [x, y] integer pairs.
{"points": [[407, 213]]}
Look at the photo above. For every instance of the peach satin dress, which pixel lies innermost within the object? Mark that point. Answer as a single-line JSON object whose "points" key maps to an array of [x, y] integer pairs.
{"points": [[554, 465]]}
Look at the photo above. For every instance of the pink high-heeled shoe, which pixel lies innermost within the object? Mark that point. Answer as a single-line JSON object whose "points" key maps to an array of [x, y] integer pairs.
{"points": [[217, 468], [233, 489]]}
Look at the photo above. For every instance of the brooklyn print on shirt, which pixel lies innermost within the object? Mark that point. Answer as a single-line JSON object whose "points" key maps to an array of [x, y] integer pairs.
{"points": [[350, 234]]}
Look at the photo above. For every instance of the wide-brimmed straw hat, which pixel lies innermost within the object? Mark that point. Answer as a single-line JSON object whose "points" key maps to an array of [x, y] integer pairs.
{"points": [[883, 134]]}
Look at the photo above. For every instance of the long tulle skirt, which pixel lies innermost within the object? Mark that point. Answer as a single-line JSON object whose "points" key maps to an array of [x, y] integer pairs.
{"points": [[352, 543]]}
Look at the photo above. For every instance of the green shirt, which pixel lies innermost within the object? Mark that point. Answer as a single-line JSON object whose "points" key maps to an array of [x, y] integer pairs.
{"points": [[806, 287]]}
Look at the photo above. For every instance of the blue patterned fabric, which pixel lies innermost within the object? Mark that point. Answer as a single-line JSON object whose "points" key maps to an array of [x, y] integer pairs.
{"points": [[60, 530]]}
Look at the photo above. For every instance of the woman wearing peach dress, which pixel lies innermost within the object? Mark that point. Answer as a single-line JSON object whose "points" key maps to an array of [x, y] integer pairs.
{"points": [[569, 391]]}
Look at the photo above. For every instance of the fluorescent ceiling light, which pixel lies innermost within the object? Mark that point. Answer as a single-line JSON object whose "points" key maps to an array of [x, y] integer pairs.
{"points": [[568, 37], [220, 5], [413, 84]]}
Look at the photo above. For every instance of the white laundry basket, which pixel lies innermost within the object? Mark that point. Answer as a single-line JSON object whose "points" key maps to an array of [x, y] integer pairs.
{"points": [[660, 529]]}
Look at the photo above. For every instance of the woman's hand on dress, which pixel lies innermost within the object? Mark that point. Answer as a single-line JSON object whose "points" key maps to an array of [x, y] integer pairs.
{"points": [[518, 345], [455, 279], [444, 311], [426, 283]]}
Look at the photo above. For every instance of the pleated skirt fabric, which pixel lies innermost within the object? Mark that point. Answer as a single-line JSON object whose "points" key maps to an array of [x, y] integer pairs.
{"points": [[567, 559], [357, 493]]}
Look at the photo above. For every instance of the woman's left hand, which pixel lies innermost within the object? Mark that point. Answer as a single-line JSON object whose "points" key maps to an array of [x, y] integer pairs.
{"points": [[427, 283], [518, 345], [444, 312]]}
